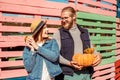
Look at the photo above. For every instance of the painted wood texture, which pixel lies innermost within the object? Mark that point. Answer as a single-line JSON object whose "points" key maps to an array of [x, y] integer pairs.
{"points": [[102, 34], [117, 70], [117, 63], [16, 17], [102, 30], [104, 7], [104, 72], [44, 7], [118, 39]]}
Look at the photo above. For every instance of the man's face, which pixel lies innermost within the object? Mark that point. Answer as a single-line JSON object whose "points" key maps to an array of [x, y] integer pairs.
{"points": [[67, 19]]}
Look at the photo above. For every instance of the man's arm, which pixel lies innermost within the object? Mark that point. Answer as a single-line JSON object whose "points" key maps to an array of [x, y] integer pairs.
{"points": [[62, 60]]}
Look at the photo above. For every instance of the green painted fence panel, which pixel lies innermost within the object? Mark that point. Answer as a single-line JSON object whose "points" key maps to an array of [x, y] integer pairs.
{"points": [[91, 16], [102, 31], [96, 24]]}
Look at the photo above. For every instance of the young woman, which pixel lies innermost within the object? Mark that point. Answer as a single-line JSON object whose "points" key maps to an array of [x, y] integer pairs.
{"points": [[40, 55]]}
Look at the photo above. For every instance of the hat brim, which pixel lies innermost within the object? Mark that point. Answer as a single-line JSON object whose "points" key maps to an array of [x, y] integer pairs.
{"points": [[39, 26]]}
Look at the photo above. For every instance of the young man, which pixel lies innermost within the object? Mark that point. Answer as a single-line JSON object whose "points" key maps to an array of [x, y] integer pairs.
{"points": [[72, 38]]}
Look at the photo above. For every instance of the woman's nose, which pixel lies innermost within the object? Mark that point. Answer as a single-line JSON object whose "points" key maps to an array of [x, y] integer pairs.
{"points": [[47, 30]]}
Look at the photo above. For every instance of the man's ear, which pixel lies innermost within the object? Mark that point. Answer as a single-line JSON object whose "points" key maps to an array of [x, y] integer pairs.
{"points": [[74, 16]]}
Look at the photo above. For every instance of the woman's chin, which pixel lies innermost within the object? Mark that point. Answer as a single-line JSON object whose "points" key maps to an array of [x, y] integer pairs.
{"points": [[45, 37]]}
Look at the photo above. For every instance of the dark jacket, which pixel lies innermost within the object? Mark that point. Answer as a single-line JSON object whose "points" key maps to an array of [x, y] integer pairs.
{"points": [[67, 47]]}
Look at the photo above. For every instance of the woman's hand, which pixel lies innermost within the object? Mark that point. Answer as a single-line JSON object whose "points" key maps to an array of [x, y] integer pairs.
{"points": [[28, 43], [31, 43]]}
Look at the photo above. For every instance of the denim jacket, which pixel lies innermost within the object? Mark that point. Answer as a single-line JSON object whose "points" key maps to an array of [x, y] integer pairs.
{"points": [[33, 63]]}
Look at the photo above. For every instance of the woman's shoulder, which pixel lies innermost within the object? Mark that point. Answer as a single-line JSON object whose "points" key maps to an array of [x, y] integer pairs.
{"points": [[51, 40], [26, 48]]}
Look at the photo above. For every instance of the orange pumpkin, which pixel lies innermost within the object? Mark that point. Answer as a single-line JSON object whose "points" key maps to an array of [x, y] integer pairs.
{"points": [[25, 38], [89, 51], [83, 59]]}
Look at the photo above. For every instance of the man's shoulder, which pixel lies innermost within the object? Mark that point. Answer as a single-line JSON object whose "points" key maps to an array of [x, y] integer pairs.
{"points": [[56, 34], [82, 28], [57, 31]]}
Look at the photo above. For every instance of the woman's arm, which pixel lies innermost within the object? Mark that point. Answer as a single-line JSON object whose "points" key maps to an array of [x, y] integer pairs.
{"points": [[28, 59], [52, 53]]}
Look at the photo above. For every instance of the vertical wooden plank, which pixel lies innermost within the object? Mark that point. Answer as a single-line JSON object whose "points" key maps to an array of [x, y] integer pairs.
{"points": [[0, 61], [0, 35]]}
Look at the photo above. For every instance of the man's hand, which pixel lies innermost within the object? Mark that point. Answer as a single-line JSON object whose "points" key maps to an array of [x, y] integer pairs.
{"points": [[98, 58], [76, 65]]}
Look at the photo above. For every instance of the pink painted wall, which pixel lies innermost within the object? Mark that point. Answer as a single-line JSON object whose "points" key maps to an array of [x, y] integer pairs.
{"points": [[12, 27]]}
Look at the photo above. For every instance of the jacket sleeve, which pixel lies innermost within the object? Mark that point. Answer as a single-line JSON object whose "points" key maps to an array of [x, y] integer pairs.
{"points": [[50, 53], [29, 59], [56, 36]]}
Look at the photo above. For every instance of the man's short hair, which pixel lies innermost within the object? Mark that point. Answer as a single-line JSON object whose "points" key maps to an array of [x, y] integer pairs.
{"points": [[69, 8]]}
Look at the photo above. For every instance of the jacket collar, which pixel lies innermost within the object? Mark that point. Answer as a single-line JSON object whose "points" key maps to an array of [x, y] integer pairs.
{"points": [[82, 30]]}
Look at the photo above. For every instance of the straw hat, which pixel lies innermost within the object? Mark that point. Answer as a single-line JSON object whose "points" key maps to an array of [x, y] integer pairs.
{"points": [[36, 25]]}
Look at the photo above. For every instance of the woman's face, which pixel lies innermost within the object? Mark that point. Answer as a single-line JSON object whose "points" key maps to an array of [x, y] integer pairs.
{"points": [[42, 34], [45, 32]]}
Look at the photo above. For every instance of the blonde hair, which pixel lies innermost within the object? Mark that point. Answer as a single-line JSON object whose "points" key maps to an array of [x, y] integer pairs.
{"points": [[69, 8], [38, 34]]}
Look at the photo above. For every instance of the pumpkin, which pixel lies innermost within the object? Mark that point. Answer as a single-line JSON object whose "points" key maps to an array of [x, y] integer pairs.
{"points": [[25, 38], [88, 51], [83, 59]]}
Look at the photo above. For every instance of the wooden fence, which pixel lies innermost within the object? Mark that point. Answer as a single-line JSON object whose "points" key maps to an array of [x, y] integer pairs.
{"points": [[117, 63], [98, 16]]}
